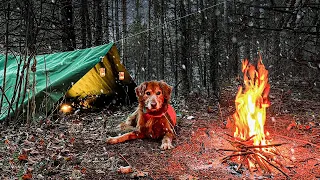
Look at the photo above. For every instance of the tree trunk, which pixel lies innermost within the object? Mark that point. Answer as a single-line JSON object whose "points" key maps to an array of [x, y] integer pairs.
{"points": [[176, 60], [214, 65], [83, 13], [68, 34], [112, 20], [124, 30], [31, 30], [98, 22], [149, 66], [106, 31], [184, 51], [117, 20], [162, 53], [204, 31], [88, 25]]}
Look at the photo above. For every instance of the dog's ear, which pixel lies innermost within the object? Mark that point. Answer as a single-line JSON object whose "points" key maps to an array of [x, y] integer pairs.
{"points": [[166, 90], [140, 89]]}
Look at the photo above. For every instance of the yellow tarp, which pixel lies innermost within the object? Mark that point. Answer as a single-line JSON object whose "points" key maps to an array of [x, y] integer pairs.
{"points": [[92, 83]]}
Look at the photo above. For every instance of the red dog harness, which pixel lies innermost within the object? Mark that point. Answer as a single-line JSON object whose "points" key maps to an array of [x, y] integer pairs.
{"points": [[170, 114]]}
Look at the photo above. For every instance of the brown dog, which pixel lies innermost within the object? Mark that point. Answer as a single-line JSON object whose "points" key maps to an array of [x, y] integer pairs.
{"points": [[154, 118]]}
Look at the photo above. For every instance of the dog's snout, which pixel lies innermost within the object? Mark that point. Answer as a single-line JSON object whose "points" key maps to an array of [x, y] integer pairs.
{"points": [[153, 104]]}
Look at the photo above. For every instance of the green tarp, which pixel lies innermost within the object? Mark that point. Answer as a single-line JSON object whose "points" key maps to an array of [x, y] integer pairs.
{"points": [[55, 74]]}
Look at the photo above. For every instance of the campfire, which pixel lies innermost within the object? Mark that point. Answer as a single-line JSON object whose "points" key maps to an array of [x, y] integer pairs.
{"points": [[251, 141]]}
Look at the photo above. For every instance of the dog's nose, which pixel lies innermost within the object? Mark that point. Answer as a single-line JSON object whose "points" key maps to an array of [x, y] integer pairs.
{"points": [[153, 104]]}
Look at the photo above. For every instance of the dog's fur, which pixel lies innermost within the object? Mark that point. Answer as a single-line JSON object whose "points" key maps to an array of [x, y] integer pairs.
{"points": [[149, 120]]}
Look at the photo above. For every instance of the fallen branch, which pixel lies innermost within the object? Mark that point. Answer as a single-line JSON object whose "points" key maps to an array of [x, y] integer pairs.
{"points": [[259, 157], [237, 154], [125, 160], [300, 140], [262, 157]]}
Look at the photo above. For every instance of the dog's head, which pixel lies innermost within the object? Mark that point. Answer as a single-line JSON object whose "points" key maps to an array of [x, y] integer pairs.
{"points": [[153, 94]]}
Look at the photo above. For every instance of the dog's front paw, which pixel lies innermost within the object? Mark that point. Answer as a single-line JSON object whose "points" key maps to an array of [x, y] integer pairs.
{"points": [[166, 145], [112, 140]]}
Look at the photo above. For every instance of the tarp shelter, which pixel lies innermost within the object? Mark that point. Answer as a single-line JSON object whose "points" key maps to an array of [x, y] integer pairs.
{"points": [[66, 74]]}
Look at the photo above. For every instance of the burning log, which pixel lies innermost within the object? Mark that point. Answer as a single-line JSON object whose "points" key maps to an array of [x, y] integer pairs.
{"points": [[251, 143], [259, 157]]}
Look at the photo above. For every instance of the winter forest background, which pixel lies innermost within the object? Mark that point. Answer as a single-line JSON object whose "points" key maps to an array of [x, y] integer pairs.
{"points": [[195, 44]]}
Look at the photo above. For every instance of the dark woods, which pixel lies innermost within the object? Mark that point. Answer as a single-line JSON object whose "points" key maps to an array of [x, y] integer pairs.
{"points": [[195, 45]]}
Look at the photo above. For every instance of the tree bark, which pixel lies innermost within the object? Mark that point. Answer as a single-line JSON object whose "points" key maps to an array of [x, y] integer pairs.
{"points": [[68, 33], [184, 50], [124, 30], [214, 61], [106, 30], [149, 61], [117, 20], [162, 53], [98, 22], [83, 13]]}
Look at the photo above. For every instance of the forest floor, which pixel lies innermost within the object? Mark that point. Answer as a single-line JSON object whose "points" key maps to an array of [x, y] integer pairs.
{"points": [[73, 147]]}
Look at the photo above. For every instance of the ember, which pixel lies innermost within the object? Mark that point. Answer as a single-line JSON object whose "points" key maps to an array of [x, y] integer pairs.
{"points": [[251, 143], [65, 108]]}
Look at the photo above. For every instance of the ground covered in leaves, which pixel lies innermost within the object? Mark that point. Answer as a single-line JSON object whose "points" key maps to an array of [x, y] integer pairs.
{"points": [[73, 146]]}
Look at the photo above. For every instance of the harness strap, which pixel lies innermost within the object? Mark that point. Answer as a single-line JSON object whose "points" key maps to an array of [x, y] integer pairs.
{"points": [[167, 116]]}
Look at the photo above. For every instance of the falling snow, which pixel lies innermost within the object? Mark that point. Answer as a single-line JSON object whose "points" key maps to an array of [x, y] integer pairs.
{"points": [[234, 39]]}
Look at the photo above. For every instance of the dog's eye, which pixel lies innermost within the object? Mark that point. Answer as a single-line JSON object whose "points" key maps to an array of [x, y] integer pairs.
{"points": [[158, 93], [148, 93]]}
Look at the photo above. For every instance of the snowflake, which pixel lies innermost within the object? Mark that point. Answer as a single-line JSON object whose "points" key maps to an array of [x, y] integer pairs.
{"points": [[298, 16], [234, 39]]}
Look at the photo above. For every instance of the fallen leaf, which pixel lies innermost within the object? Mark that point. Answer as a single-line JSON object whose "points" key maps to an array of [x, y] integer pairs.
{"points": [[125, 169], [41, 142], [69, 158], [190, 117], [229, 124], [32, 139], [27, 176], [7, 142], [83, 170], [40, 176], [291, 125], [72, 140], [139, 174], [308, 127], [23, 157]]}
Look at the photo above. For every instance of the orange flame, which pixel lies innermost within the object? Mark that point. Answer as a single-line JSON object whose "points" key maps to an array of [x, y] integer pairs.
{"points": [[251, 103]]}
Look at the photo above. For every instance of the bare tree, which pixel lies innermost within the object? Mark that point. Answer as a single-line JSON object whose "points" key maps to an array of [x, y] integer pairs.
{"points": [[124, 30], [98, 21], [214, 61], [68, 33], [84, 19], [184, 49]]}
